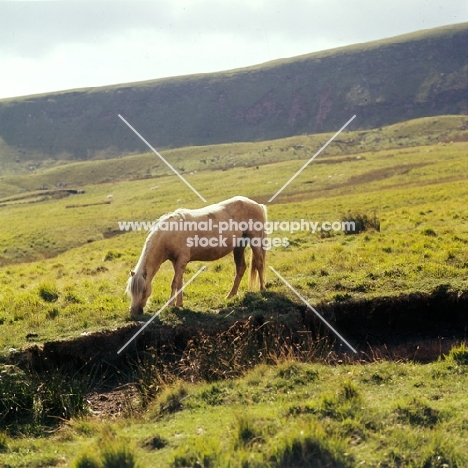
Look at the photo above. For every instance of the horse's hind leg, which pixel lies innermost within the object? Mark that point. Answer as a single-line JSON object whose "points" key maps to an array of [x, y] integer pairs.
{"points": [[239, 259], [257, 268]]}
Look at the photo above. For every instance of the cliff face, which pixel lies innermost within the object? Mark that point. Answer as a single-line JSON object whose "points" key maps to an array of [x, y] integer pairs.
{"points": [[421, 74]]}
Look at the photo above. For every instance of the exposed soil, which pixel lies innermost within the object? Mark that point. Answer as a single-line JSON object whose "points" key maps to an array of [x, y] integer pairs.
{"points": [[421, 327], [112, 403], [84, 205], [38, 196], [393, 323]]}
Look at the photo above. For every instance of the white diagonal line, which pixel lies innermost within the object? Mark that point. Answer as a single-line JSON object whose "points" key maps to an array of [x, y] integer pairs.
{"points": [[312, 158], [163, 159], [312, 309], [161, 309]]}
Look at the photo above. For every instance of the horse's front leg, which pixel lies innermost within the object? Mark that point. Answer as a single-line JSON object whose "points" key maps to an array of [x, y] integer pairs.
{"points": [[178, 282]]}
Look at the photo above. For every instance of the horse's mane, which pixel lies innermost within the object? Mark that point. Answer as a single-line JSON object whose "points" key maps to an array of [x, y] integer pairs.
{"points": [[136, 283]]}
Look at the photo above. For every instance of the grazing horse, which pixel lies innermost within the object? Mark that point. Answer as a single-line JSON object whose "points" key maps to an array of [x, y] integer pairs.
{"points": [[208, 233]]}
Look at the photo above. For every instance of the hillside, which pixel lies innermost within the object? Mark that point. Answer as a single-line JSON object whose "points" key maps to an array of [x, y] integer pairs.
{"points": [[382, 82], [49, 175], [195, 386], [256, 379]]}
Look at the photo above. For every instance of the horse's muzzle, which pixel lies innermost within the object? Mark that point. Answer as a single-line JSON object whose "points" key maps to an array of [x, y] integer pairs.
{"points": [[135, 311]]}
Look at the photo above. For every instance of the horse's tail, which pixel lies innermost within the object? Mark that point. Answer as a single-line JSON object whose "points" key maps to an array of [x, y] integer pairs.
{"points": [[257, 258]]}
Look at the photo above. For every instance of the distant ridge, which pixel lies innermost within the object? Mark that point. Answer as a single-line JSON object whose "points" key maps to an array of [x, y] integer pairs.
{"points": [[383, 82]]}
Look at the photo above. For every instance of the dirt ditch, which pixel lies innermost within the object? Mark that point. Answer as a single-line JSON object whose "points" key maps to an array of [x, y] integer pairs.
{"points": [[262, 329], [37, 196], [418, 326]]}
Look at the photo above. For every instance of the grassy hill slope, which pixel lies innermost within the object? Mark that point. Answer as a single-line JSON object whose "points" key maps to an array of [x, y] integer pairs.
{"points": [[49, 175], [383, 82], [70, 245], [63, 271]]}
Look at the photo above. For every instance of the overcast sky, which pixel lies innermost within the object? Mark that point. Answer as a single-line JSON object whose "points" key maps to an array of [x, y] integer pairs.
{"points": [[56, 45]]}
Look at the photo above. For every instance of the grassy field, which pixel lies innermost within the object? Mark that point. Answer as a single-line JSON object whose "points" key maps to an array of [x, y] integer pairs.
{"points": [[418, 193], [64, 265], [290, 415]]}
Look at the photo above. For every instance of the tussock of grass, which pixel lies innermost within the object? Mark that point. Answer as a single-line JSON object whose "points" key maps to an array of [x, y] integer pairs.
{"points": [[3, 442], [118, 455], [442, 451], [418, 412], [359, 222], [48, 292], [112, 453], [247, 430], [151, 376], [31, 401], [87, 460], [171, 400], [429, 232], [155, 443], [213, 395], [458, 355], [341, 406], [309, 447]]}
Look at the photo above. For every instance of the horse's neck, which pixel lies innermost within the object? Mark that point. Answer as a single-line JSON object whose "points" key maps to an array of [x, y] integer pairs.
{"points": [[153, 255]]}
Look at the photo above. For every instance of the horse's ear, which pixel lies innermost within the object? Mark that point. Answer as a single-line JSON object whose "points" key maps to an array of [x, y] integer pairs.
{"points": [[132, 273]]}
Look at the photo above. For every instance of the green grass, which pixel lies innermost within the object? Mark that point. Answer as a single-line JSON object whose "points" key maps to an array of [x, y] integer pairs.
{"points": [[64, 271], [32, 401], [226, 157], [397, 414]]}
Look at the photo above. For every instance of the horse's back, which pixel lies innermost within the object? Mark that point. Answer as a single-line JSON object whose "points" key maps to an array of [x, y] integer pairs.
{"points": [[238, 206]]}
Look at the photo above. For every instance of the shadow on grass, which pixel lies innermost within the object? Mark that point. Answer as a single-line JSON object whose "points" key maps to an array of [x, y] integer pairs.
{"points": [[267, 303]]}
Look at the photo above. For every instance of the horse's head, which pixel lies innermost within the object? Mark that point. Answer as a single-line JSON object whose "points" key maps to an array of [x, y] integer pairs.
{"points": [[139, 290]]}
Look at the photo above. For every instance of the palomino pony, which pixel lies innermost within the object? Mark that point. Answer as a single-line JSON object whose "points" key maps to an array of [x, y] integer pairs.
{"points": [[208, 233]]}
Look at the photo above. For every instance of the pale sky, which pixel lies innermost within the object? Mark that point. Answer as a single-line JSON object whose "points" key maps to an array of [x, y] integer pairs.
{"points": [[50, 46]]}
